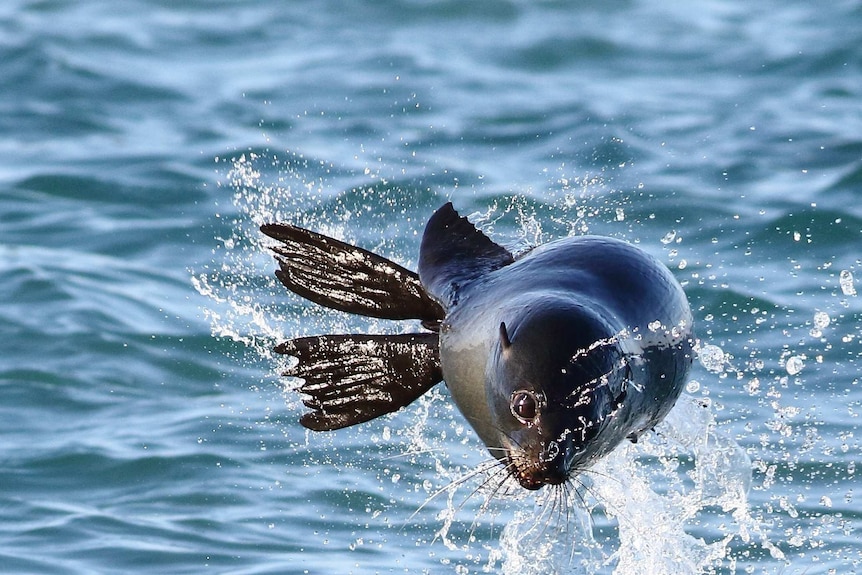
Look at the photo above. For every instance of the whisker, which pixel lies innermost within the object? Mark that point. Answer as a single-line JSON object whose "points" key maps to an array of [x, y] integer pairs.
{"points": [[580, 489], [543, 519], [482, 484], [493, 469], [563, 499], [453, 485], [484, 507], [601, 474], [547, 504], [574, 486]]}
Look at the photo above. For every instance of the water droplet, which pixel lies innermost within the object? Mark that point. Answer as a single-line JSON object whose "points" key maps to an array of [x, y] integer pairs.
{"points": [[668, 237], [794, 364], [845, 279], [693, 386], [712, 358], [753, 386], [821, 319]]}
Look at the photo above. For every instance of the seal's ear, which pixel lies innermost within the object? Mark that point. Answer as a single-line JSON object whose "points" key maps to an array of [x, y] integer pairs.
{"points": [[505, 342]]}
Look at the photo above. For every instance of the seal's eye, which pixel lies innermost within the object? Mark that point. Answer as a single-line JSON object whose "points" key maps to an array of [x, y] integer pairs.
{"points": [[525, 405]]}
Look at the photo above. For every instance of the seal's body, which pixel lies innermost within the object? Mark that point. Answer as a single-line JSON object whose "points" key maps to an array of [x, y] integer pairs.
{"points": [[598, 337], [553, 358]]}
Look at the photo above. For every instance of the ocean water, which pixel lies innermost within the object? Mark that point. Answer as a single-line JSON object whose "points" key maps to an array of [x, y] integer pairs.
{"points": [[144, 426]]}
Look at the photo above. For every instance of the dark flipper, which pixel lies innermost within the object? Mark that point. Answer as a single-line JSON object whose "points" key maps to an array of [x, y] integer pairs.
{"points": [[350, 379], [347, 278], [454, 252]]}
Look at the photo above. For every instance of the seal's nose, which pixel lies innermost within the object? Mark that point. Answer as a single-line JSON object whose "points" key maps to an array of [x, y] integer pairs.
{"points": [[531, 482], [551, 470], [549, 475]]}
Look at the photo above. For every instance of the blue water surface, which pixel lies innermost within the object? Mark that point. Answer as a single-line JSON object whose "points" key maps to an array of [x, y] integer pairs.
{"points": [[144, 426]]}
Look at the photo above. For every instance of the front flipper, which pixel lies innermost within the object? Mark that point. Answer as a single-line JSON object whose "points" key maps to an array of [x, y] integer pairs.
{"points": [[353, 378], [453, 253], [347, 278]]}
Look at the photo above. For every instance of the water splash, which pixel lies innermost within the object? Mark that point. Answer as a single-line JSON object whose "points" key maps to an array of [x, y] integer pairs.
{"points": [[655, 492], [244, 301], [567, 543]]}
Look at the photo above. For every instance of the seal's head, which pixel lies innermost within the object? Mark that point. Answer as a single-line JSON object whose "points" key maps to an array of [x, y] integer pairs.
{"points": [[555, 379]]}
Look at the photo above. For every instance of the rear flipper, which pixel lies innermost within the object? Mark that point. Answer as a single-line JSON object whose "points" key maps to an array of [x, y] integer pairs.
{"points": [[348, 278], [353, 378]]}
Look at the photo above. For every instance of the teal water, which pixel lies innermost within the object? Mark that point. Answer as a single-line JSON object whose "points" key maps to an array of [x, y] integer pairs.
{"points": [[144, 426]]}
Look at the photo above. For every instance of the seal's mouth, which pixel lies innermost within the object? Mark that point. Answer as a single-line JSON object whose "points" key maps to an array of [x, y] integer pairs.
{"points": [[535, 482], [533, 473]]}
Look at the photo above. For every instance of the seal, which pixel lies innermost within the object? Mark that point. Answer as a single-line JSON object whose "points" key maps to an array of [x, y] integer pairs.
{"points": [[554, 358]]}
